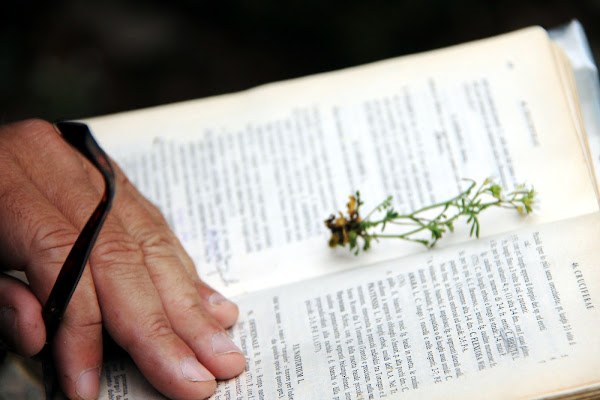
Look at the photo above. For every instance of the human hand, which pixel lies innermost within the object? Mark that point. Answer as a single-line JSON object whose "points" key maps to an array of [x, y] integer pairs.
{"points": [[140, 284]]}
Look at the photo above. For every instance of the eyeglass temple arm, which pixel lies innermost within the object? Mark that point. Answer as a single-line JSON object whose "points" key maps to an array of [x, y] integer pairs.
{"points": [[79, 136]]}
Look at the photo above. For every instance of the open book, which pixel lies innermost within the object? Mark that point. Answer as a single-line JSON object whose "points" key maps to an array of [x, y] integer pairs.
{"points": [[247, 179]]}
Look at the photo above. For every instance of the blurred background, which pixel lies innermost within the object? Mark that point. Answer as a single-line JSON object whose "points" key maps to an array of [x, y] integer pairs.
{"points": [[75, 59]]}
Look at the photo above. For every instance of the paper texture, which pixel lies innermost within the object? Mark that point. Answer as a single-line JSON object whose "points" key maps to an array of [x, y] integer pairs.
{"points": [[446, 320], [247, 180], [458, 320]]}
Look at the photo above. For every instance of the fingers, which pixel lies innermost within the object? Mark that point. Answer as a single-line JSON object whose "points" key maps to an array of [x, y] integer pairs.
{"points": [[197, 313], [21, 324], [134, 315], [137, 249], [78, 350], [40, 243], [36, 237], [220, 308], [140, 283], [174, 279], [22, 328]]}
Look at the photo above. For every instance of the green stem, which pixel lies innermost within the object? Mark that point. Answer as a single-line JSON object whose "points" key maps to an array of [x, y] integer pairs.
{"points": [[468, 203]]}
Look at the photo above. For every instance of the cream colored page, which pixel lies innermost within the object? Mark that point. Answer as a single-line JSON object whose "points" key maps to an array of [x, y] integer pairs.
{"points": [[246, 180], [571, 95], [121, 380], [503, 318]]}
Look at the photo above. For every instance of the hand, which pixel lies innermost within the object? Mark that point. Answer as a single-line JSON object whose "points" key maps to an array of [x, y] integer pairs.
{"points": [[140, 284]]}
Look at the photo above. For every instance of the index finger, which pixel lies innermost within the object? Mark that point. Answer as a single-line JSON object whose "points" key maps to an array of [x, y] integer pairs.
{"points": [[134, 316]]}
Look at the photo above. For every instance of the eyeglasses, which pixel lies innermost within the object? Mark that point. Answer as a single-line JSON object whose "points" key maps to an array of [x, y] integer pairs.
{"points": [[79, 136]]}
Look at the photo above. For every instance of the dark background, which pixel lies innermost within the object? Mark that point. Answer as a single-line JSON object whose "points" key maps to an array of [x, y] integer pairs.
{"points": [[78, 58]]}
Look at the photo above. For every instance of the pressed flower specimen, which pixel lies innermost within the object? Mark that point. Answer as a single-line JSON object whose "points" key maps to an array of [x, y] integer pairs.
{"points": [[428, 224]]}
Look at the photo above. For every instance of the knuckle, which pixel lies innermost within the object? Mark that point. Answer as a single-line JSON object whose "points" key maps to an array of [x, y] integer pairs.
{"points": [[28, 132], [154, 329], [11, 197], [115, 248], [51, 239], [36, 126], [154, 241], [84, 327], [190, 306], [34, 130]]}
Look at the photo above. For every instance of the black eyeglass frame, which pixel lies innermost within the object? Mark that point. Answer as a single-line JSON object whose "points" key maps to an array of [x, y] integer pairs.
{"points": [[78, 135]]}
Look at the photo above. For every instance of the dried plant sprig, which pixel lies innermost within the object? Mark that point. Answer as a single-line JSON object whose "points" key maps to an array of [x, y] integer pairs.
{"points": [[435, 219]]}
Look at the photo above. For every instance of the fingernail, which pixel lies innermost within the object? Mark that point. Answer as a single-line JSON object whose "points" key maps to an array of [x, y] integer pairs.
{"points": [[8, 321], [88, 383], [216, 299], [194, 371], [222, 344]]}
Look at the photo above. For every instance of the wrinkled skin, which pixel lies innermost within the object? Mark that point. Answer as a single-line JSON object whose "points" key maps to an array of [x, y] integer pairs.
{"points": [[139, 283]]}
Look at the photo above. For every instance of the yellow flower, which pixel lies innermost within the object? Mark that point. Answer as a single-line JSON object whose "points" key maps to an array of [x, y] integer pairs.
{"points": [[342, 227], [351, 205]]}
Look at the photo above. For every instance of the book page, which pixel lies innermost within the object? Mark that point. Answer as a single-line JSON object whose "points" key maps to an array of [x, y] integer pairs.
{"points": [[570, 93], [461, 319], [514, 316], [246, 180], [572, 39]]}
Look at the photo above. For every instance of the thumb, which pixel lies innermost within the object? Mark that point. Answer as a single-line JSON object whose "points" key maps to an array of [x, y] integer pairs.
{"points": [[21, 323]]}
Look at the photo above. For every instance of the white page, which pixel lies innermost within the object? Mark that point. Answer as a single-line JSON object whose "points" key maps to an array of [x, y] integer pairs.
{"points": [[458, 320], [525, 128], [246, 180]]}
